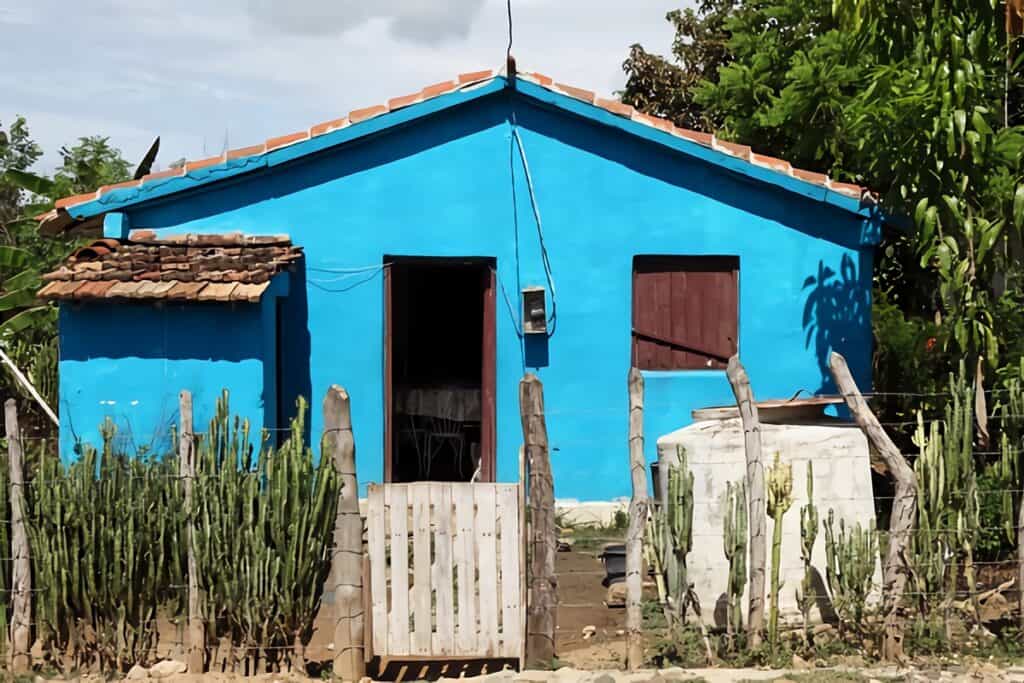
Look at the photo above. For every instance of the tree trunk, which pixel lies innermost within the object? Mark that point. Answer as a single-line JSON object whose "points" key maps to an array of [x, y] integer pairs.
{"points": [[21, 581], [187, 470], [904, 507], [347, 560], [540, 623], [637, 523], [755, 497]]}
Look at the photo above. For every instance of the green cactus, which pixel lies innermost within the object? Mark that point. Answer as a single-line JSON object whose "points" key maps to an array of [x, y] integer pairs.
{"points": [[948, 505], [678, 531], [850, 558], [805, 595], [734, 542], [779, 494]]}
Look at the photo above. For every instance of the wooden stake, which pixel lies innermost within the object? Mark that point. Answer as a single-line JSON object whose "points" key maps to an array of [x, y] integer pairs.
{"points": [[637, 523], [904, 507], [347, 561], [187, 471], [21, 583], [540, 621], [755, 496]]}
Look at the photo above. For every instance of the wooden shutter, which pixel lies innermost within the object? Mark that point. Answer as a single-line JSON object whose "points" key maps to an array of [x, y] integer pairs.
{"points": [[685, 311]]}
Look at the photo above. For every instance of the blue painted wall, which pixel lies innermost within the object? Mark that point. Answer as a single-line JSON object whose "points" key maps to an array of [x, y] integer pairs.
{"points": [[452, 184], [129, 361]]}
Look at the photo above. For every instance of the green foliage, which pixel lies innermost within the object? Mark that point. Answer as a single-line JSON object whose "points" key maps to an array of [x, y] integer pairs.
{"points": [[666, 86], [806, 594], [850, 559], [264, 524], [107, 545], [87, 165], [734, 543], [670, 535], [948, 503], [917, 101], [108, 540], [779, 489]]}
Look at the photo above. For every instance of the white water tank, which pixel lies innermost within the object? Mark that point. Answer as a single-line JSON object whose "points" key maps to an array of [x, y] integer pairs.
{"points": [[800, 433]]}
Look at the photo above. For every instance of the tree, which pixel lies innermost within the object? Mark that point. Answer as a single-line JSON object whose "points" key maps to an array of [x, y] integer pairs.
{"points": [[914, 100], [89, 164], [28, 327], [663, 87], [17, 153]]}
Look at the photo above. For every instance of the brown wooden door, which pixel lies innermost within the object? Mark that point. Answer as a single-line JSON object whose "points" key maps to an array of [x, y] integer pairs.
{"points": [[488, 382]]}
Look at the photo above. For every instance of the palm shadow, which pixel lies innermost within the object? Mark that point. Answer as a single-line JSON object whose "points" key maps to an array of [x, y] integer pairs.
{"points": [[837, 317]]}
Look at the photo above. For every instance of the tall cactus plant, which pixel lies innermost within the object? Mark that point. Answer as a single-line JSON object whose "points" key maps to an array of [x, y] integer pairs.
{"points": [[734, 542], [779, 490], [806, 595], [850, 558], [678, 530], [949, 510]]}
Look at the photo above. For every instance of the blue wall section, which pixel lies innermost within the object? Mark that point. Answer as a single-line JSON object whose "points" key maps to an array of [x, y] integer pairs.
{"points": [[129, 361], [453, 185]]}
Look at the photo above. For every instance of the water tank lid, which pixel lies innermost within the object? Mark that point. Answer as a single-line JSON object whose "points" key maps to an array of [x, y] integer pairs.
{"points": [[775, 411]]}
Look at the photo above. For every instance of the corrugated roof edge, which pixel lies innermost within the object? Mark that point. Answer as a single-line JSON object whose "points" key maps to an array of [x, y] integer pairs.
{"points": [[252, 157]]}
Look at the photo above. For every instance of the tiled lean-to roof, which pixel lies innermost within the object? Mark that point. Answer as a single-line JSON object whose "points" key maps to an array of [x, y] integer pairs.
{"points": [[227, 267], [112, 197]]}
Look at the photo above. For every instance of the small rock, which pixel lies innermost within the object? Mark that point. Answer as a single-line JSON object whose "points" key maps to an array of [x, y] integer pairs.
{"points": [[330, 646], [603, 678], [800, 663], [167, 667], [621, 632], [616, 595], [675, 674], [589, 630], [137, 673]]}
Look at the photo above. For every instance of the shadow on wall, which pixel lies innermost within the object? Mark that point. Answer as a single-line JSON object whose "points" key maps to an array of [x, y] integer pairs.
{"points": [[826, 610], [837, 317], [293, 352]]}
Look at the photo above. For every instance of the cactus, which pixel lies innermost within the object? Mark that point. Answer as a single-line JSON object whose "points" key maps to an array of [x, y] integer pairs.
{"points": [[779, 492], [949, 510], [678, 531], [805, 595], [850, 560], [734, 542]]}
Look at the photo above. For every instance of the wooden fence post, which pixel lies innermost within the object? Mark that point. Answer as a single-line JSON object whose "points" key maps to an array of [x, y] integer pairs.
{"points": [[904, 506], [755, 491], [540, 622], [21, 583], [637, 522], [187, 472], [347, 560]]}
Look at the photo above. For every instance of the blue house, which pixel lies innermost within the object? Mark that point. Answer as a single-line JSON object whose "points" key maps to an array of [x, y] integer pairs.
{"points": [[426, 252]]}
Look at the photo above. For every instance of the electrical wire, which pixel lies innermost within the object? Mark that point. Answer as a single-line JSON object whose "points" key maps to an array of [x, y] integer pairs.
{"points": [[545, 260]]}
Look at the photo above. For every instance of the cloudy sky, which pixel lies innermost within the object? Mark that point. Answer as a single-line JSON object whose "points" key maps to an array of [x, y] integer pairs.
{"points": [[196, 73]]}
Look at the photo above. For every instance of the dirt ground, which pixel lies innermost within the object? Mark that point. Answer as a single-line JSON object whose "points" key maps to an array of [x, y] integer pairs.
{"points": [[581, 600]]}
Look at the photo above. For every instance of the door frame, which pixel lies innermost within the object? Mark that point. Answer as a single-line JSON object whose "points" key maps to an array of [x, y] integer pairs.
{"points": [[489, 369]]}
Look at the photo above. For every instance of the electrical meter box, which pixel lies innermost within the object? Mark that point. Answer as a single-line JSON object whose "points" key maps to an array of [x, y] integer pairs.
{"points": [[535, 315]]}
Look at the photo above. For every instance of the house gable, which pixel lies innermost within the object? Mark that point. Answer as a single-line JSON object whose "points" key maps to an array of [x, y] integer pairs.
{"points": [[402, 111]]}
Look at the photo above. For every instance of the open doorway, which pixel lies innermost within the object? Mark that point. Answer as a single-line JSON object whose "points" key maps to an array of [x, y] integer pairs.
{"points": [[439, 369]]}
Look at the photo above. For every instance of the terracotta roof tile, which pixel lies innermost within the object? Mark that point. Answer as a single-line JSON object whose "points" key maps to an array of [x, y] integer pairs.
{"points": [[438, 89], [404, 101], [283, 140], [167, 173], [578, 93], [203, 163], [615, 107], [474, 76], [252, 150], [359, 115], [327, 127], [740, 151], [202, 267]]}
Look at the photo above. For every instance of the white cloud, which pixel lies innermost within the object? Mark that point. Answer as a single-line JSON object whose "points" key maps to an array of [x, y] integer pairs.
{"points": [[195, 72]]}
